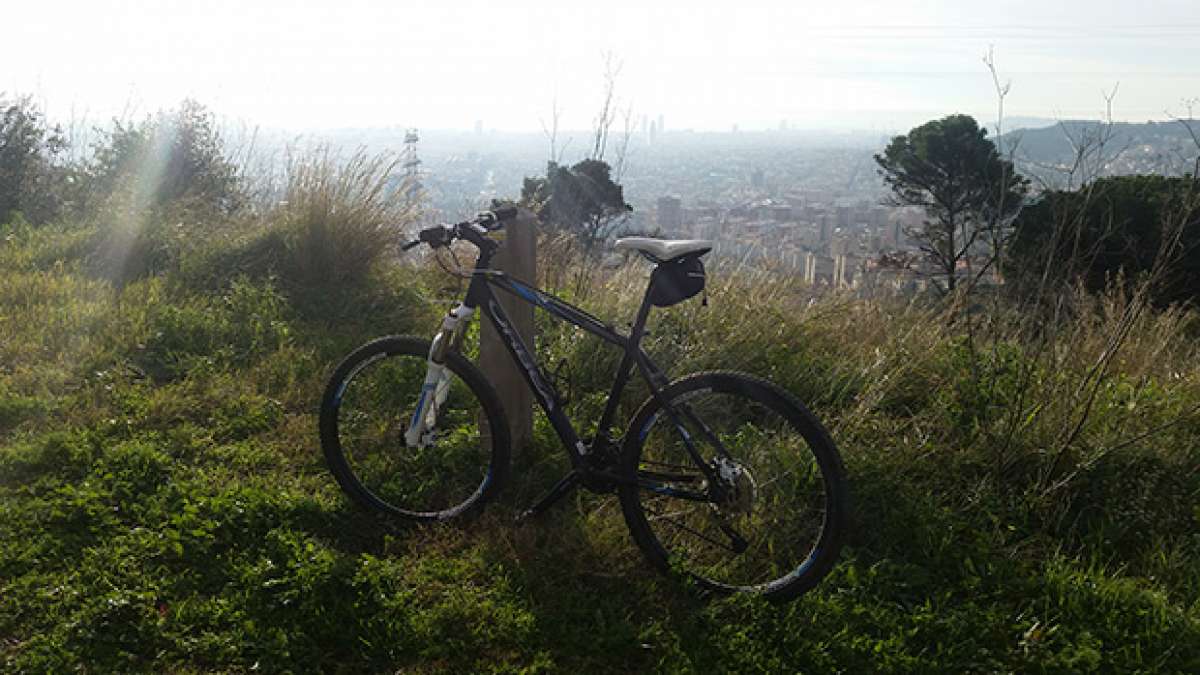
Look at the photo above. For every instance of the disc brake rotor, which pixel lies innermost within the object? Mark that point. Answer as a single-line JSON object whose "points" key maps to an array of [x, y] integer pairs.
{"points": [[740, 487]]}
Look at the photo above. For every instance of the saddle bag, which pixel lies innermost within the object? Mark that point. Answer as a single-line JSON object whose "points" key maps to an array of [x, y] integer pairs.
{"points": [[676, 280]]}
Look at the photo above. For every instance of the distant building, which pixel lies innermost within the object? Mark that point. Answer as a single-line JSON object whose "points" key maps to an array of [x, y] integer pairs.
{"points": [[670, 214], [893, 233], [757, 179], [843, 216], [780, 213]]}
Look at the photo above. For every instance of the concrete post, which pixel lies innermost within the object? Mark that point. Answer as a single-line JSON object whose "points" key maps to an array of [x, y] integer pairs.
{"points": [[517, 258]]}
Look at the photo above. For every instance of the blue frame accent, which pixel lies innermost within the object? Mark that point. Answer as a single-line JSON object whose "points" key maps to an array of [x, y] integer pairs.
{"points": [[527, 293], [420, 404]]}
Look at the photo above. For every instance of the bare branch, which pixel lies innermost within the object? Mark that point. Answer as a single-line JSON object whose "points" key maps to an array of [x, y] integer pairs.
{"points": [[551, 131], [606, 116]]}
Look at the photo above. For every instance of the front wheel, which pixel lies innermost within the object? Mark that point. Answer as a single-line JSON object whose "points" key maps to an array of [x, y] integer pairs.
{"points": [[451, 464], [768, 512]]}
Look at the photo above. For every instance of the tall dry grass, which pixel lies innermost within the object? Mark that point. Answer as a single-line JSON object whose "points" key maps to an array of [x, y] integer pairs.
{"points": [[1050, 420], [338, 217]]}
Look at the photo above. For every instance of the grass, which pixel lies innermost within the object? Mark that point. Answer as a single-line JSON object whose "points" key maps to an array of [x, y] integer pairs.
{"points": [[164, 505]]}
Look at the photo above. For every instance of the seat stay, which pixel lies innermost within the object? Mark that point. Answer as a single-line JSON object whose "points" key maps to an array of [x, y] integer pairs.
{"points": [[650, 373]]}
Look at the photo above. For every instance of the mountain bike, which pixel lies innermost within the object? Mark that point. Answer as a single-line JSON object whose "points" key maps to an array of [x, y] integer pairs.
{"points": [[722, 477]]}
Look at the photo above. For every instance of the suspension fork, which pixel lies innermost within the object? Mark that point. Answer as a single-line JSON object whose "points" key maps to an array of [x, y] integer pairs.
{"points": [[436, 386]]}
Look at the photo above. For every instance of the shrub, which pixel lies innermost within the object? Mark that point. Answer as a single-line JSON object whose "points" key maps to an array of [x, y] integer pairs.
{"points": [[1121, 229], [158, 190], [337, 220], [29, 150], [178, 156]]}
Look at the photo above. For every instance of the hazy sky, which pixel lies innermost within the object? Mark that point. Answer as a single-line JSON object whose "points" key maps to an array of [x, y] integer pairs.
{"points": [[446, 64]]}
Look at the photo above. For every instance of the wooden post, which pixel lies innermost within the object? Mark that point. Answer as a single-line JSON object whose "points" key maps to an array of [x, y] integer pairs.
{"points": [[517, 258]]}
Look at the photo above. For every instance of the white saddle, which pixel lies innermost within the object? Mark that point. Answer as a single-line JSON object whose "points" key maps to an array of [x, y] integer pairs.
{"points": [[663, 249]]}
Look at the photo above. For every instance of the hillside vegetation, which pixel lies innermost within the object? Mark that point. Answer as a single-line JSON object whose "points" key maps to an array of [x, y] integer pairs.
{"points": [[1109, 148], [164, 505]]}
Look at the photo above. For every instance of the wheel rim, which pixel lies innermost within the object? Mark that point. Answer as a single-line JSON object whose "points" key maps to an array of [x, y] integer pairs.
{"points": [[782, 523], [437, 478]]}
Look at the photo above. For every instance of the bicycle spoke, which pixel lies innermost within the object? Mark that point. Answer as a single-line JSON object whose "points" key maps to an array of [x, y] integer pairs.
{"points": [[737, 541], [775, 479], [660, 517]]}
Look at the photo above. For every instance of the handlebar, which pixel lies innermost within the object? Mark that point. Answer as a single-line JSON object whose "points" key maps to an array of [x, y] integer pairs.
{"points": [[440, 236], [497, 215]]}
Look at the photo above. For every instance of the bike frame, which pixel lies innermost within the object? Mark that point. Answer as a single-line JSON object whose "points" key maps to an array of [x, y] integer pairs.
{"points": [[481, 296]]}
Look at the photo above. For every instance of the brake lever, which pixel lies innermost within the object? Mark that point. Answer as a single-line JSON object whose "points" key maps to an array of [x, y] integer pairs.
{"points": [[485, 219]]}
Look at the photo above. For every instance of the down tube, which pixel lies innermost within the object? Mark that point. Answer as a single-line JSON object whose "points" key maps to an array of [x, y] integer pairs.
{"points": [[533, 376]]}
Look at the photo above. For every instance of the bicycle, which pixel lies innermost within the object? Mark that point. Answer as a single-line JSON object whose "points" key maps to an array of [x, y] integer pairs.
{"points": [[721, 476]]}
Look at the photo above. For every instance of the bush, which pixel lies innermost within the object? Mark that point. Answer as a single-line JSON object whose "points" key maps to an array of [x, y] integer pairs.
{"points": [[158, 191], [337, 220], [29, 173], [1121, 229], [176, 157]]}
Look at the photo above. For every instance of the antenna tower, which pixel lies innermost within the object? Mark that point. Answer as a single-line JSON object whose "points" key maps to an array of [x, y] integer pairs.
{"points": [[411, 163]]}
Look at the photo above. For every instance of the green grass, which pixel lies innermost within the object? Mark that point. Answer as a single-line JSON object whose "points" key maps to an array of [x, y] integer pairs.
{"points": [[164, 505]]}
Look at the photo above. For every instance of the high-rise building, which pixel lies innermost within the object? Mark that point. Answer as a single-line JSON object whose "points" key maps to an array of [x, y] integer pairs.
{"points": [[670, 214]]}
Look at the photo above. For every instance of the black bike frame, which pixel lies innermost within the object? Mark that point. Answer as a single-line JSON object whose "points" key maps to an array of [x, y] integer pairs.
{"points": [[480, 296]]}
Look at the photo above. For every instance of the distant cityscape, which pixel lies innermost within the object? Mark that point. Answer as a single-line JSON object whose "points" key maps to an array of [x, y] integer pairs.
{"points": [[810, 203]]}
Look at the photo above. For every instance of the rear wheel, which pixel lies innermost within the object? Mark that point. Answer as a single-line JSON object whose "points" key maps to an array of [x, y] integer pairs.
{"points": [[458, 463], [774, 520]]}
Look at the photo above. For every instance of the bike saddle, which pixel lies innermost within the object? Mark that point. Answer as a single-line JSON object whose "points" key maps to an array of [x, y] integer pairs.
{"points": [[662, 250]]}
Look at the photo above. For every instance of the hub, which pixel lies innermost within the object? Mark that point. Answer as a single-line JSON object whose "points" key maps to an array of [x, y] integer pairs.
{"points": [[740, 487]]}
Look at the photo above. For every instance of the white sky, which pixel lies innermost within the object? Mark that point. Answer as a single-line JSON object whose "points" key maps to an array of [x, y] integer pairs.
{"points": [[446, 64]]}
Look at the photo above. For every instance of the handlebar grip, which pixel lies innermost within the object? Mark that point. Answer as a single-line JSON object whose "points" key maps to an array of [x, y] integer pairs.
{"points": [[436, 236], [409, 245]]}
